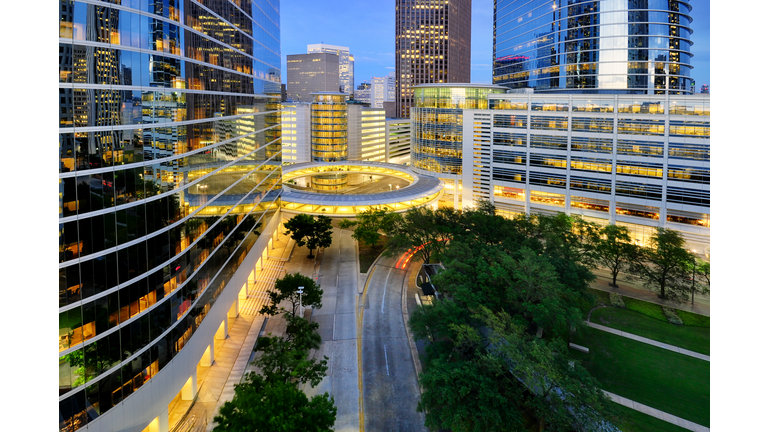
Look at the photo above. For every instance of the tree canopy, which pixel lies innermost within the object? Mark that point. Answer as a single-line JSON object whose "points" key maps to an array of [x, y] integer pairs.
{"points": [[272, 400], [615, 250], [306, 230], [263, 406], [663, 265], [497, 354], [422, 230], [370, 222], [286, 288]]}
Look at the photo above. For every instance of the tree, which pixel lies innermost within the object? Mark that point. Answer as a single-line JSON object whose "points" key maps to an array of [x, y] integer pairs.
{"points": [[370, 222], [306, 230], [560, 392], [287, 359], [423, 231], [286, 288], [468, 396], [699, 270], [663, 265], [347, 224], [530, 272], [464, 389], [703, 267], [614, 249], [263, 406]]}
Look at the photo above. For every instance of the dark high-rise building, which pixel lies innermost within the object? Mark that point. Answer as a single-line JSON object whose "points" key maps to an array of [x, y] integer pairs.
{"points": [[309, 73], [432, 45], [169, 177], [580, 46]]}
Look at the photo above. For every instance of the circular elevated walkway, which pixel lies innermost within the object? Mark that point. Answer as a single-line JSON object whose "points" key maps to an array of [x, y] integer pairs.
{"points": [[422, 190]]}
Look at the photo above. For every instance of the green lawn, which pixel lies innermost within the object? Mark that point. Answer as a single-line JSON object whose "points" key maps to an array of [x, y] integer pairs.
{"points": [[691, 338], [670, 382], [634, 421]]}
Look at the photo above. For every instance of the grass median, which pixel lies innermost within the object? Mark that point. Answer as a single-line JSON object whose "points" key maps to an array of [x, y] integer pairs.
{"points": [[368, 254]]}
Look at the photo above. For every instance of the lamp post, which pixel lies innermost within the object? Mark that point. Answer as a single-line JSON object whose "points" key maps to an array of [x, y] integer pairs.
{"points": [[390, 187], [300, 291]]}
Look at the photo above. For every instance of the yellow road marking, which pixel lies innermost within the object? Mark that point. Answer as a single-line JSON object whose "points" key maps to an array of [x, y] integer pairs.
{"points": [[361, 306]]}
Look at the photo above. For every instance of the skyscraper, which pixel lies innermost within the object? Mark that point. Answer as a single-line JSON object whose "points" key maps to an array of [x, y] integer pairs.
{"points": [[382, 90], [577, 46], [309, 73], [363, 92], [167, 184], [432, 45], [346, 65]]}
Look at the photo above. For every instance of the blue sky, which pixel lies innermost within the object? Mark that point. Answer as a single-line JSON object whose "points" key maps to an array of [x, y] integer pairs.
{"points": [[368, 29]]}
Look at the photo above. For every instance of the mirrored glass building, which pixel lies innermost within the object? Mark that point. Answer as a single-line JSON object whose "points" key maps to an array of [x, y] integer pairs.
{"points": [[591, 46], [169, 178], [437, 130]]}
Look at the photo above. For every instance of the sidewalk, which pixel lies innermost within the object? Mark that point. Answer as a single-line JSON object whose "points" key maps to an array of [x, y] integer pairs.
{"points": [[635, 289], [216, 383], [653, 412], [645, 340]]}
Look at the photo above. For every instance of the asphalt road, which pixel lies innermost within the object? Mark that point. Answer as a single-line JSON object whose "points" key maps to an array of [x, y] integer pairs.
{"points": [[337, 320], [390, 387]]}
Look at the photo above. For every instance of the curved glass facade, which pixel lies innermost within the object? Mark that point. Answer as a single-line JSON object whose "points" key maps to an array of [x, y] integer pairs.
{"points": [[169, 143], [606, 46], [329, 127], [436, 140]]}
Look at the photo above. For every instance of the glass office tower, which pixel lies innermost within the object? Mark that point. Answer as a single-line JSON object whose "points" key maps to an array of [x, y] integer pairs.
{"points": [[437, 134], [606, 46], [169, 121], [330, 135]]}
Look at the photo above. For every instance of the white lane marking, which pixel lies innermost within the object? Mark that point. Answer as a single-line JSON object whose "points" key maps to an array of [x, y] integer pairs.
{"points": [[386, 361], [385, 290]]}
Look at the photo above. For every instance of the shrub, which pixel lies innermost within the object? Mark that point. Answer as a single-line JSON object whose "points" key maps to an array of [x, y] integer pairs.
{"points": [[601, 297], [692, 319], [671, 315], [616, 300], [649, 309]]}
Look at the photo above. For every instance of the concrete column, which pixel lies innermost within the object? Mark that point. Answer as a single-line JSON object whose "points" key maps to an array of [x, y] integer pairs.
{"points": [[223, 330], [234, 311], [163, 422], [207, 359], [189, 390]]}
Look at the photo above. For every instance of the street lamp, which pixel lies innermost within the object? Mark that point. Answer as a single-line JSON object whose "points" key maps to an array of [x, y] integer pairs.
{"points": [[300, 291], [390, 187]]}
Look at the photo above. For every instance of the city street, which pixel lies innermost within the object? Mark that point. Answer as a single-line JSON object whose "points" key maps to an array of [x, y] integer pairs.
{"points": [[390, 386], [338, 279]]}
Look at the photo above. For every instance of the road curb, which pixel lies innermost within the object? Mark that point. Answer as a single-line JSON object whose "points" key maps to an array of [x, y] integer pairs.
{"points": [[411, 342]]}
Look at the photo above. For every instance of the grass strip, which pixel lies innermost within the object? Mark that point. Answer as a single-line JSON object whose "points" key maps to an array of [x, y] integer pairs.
{"points": [[662, 379], [691, 338]]}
